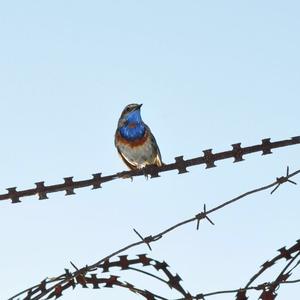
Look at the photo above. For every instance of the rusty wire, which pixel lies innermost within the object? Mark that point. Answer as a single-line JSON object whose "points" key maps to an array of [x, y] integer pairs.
{"points": [[67, 279], [209, 158], [85, 280], [283, 254], [123, 263]]}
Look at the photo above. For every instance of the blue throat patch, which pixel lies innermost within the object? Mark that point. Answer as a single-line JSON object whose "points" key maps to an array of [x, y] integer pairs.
{"points": [[134, 127]]}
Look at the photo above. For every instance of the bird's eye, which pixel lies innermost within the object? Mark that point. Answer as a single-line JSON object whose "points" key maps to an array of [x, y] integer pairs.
{"points": [[128, 109]]}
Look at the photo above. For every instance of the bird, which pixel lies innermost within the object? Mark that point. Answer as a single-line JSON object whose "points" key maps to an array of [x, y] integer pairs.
{"points": [[134, 140]]}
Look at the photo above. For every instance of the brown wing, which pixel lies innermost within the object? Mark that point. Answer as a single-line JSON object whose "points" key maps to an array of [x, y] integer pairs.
{"points": [[157, 160], [128, 164]]}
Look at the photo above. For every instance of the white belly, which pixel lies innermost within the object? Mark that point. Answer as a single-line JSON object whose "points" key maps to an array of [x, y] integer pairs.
{"points": [[139, 156]]}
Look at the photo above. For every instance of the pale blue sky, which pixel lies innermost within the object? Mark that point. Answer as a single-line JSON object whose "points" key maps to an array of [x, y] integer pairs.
{"points": [[210, 73]]}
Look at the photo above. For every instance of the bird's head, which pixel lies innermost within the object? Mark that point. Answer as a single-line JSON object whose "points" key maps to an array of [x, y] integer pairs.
{"points": [[131, 114]]}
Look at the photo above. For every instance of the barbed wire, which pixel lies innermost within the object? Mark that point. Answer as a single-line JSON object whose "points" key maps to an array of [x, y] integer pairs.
{"points": [[268, 288], [209, 158], [84, 279], [67, 279], [283, 254]]}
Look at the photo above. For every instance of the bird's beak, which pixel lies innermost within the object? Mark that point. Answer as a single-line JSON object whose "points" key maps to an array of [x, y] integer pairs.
{"points": [[139, 106]]}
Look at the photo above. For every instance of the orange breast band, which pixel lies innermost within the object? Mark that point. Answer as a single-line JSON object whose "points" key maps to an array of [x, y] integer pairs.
{"points": [[134, 143]]}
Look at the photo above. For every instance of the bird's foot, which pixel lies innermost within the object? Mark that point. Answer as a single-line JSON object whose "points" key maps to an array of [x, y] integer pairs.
{"points": [[146, 174], [150, 171]]}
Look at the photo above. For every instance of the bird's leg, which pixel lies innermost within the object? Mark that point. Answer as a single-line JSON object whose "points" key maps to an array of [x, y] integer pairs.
{"points": [[146, 175], [145, 171]]}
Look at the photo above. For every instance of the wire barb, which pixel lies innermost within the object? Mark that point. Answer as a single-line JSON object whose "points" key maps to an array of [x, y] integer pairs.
{"points": [[203, 215], [147, 240], [283, 179]]}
